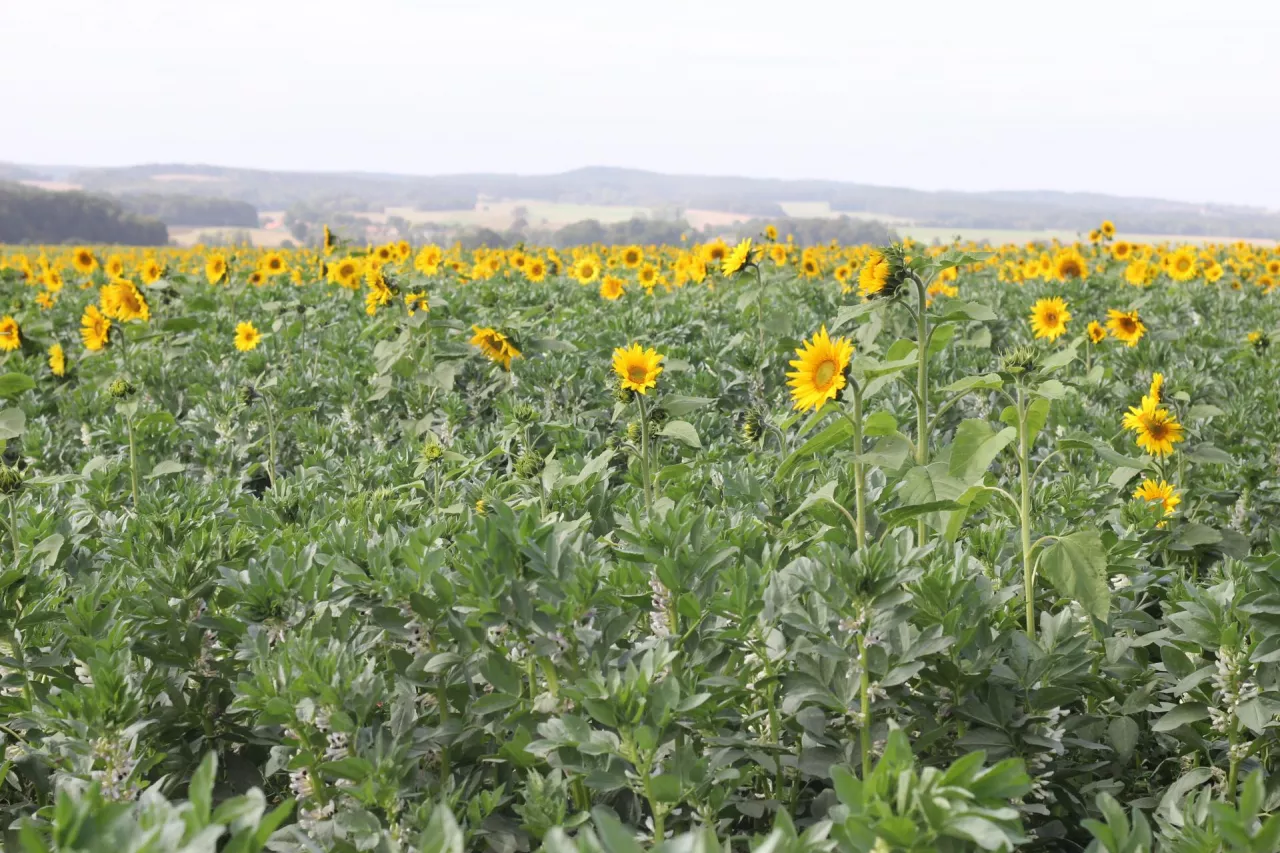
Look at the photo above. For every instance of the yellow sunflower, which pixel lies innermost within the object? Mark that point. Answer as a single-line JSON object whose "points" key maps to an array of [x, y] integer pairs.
{"points": [[1121, 250], [1183, 264], [586, 270], [10, 334], [121, 300], [874, 274], [1161, 492], [428, 259], [1097, 333], [272, 263], [611, 287], [535, 269], [632, 256], [771, 232], [150, 271], [778, 254], [1158, 431], [84, 261], [114, 267], [738, 258], [1069, 264], [57, 360], [95, 328], [495, 346], [1049, 318], [1108, 228], [637, 368], [347, 273], [215, 268], [1126, 326], [819, 370], [247, 337]]}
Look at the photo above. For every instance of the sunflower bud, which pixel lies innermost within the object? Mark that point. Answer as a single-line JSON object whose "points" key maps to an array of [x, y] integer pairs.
{"points": [[121, 389], [633, 432], [525, 414], [432, 452], [1018, 360], [659, 418], [623, 395], [248, 394], [10, 480], [529, 465], [752, 427], [482, 507]]}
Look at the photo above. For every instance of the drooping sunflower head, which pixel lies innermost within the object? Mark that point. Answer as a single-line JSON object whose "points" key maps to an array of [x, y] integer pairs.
{"points": [[215, 268], [1126, 326], [819, 368], [95, 328], [57, 361], [1049, 318], [738, 257], [495, 346], [328, 240], [637, 368], [1097, 332], [247, 337]]}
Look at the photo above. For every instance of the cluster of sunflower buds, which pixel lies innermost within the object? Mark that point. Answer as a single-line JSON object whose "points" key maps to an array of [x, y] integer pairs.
{"points": [[121, 389]]}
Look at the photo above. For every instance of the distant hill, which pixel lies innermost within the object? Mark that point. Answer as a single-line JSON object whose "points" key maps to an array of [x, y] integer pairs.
{"points": [[29, 215], [191, 209], [669, 195]]}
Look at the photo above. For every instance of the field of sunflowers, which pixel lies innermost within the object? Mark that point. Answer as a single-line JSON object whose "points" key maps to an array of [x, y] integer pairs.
{"points": [[692, 548]]}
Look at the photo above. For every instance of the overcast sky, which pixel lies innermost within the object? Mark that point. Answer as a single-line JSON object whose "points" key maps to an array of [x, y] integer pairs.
{"points": [[1176, 98]]}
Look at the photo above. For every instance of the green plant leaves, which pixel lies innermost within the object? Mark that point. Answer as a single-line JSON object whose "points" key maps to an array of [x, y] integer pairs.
{"points": [[1076, 565]]}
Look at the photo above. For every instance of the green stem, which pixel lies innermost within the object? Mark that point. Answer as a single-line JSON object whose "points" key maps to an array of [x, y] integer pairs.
{"points": [[1024, 478], [133, 460], [1233, 768], [864, 691], [644, 458], [859, 468], [922, 387], [271, 440]]}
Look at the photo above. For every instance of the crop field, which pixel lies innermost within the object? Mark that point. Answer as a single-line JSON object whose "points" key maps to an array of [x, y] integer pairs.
{"points": [[619, 548]]}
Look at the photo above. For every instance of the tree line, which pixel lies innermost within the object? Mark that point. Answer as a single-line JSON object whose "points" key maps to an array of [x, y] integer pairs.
{"points": [[29, 215]]}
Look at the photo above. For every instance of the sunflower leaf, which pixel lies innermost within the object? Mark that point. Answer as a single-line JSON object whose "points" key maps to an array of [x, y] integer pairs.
{"points": [[683, 432], [1076, 565], [836, 433]]}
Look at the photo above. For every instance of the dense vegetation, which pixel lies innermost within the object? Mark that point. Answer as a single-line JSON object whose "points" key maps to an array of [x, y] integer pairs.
{"points": [[191, 209], [30, 215], [713, 547]]}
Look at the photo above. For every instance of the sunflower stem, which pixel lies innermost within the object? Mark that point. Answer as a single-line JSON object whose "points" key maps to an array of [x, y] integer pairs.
{"points": [[133, 460], [864, 694], [1024, 481], [922, 386], [859, 468], [644, 458], [271, 439], [13, 528]]}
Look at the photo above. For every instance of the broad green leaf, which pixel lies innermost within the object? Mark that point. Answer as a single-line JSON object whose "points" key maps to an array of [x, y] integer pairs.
{"points": [[836, 433], [169, 466], [13, 384], [13, 422], [683, 432], [979, 382], [975, 447], [678, 406], [1076, 565], [879, 423]]}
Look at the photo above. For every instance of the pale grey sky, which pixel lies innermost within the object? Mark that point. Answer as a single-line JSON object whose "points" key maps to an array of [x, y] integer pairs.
{"points": [[1169, 98]]}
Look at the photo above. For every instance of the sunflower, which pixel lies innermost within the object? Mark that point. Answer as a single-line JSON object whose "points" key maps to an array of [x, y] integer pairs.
{"points": [[647, 276], [121, 300], [272, 263], [535, 269], [874, 275], [1096, 331], [1126, 326], [587, 269], [637, 368], [1108, 228], [1273, 267], [403, 250], [1049, 318], [57, 360], [1182, 264], [94, 328], [247, 337], [215, 268], [1121, 250], [428, 260], [384, 254], [114, 267], [714, 253], [84, 261], [10, 334], [1213, 272], [778, 254], [1161, 492], [738, 258], [771, 232], [150, 271], [1069, 264], [328, 241], [1140, 273], [632, 257], [611, 287], [347, 273], [819, 370], [1157, 430], [45, 300], [495, 346]]}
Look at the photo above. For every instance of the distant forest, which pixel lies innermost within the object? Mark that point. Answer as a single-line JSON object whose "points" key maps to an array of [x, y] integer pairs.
{"points": [[29, 215], [191, 209]]}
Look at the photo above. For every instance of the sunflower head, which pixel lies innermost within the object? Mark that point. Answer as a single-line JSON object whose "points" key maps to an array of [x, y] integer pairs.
{"points": [[819, 369], [637, 368], [1097, 332], [883, 272], [738, 258], [121, 389], [1049, 318], [247, 337], [11, 480], [1019, 360], [1125, 326]]}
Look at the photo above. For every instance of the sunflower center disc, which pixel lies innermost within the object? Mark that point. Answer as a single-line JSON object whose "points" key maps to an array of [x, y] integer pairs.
{"points": [[826, 370]]}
